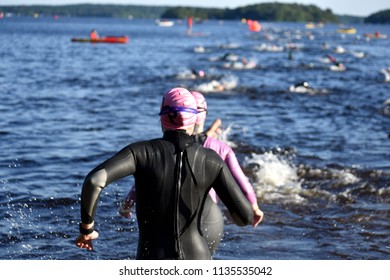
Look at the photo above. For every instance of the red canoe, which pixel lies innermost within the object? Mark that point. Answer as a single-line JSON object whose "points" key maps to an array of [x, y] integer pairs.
{"points": [[107, 39]]}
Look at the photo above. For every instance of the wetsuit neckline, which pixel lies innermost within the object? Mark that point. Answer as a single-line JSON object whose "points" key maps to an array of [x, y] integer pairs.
{"points": [[200, 138], [179, 138]]}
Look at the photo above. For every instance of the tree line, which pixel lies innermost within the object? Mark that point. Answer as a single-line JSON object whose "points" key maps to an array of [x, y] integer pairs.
{"points": [[264, 12], [86, 10], [382, 17]]}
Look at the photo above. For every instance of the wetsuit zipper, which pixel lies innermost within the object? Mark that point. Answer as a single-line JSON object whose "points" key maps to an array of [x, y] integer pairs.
{"points": [[179, 164]]}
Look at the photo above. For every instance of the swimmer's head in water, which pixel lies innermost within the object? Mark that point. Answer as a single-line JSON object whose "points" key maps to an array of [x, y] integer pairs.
{"points": [[178, 109], [201, 106]]}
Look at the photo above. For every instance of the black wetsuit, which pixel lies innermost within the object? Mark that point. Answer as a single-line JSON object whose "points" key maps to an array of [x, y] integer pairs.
{"points": [[173, 176], [212, 223]]}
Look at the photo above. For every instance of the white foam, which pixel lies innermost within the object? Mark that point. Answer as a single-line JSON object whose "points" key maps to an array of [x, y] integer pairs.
{"points": [[386, 74], [346, 177], [275, 178], [226, 83]]}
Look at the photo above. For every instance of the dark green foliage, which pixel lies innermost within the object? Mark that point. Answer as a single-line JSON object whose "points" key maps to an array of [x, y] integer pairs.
{"points": [[87, 10], [202, 13], [264, 12], [379, 17]]}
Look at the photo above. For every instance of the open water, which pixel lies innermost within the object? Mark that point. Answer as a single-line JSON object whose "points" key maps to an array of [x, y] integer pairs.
{"points": [[319, 161]]}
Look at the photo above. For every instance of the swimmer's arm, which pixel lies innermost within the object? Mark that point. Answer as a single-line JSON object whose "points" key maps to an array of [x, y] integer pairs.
{"points": [[241, 179], [232, 197], [245, 186], [120, 165], [215, 129]]}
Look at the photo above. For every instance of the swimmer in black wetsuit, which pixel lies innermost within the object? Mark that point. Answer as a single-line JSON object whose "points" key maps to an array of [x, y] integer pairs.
{"points": [[173, 176], [212, 222]]}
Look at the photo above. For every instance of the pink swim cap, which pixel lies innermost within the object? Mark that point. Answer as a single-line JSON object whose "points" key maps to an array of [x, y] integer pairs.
{"points": [[201, 106], [178, 109]]}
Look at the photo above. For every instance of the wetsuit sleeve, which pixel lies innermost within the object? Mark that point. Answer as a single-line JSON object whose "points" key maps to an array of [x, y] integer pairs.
{"points": [[239, 176], [232, 197], [120, 165], [228, 155]]}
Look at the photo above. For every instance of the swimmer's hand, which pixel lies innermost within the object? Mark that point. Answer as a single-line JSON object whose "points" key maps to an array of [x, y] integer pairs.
{"points": [[215, 129], [257, 216], [85, 241], [87, 234], [126, 208]]}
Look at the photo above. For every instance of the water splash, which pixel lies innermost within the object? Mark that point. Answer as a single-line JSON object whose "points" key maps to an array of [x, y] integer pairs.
{"points": [[275, 178], [224, 136], [225, 83]]}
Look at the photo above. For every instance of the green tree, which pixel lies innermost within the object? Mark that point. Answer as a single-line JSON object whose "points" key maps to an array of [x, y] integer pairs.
{"points": [[379, 17]]}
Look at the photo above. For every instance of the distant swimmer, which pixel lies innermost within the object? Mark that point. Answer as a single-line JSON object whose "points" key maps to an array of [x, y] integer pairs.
{"points": [[386, 107], [191, 74], [199, 49], [197, 73], [243, 63], [94, 34], [229, 57], [226, 83], [212, 86], [325, 46], [229, 46], [386, 74], [290, 55], [225, 57], [189, 25], [386, 111], [339, 49], [337, 66], [302, 87], [358, 54], [268, 48]]}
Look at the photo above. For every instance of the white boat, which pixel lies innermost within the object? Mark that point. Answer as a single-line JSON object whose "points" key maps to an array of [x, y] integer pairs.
{"points": [[164, 22]]}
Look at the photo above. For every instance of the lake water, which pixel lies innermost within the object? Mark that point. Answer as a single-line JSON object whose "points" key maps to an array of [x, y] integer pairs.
{"points": [[319, 161]]}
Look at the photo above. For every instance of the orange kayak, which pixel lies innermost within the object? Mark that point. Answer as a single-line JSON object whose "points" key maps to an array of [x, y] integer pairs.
{"points": [[107, 39]]}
